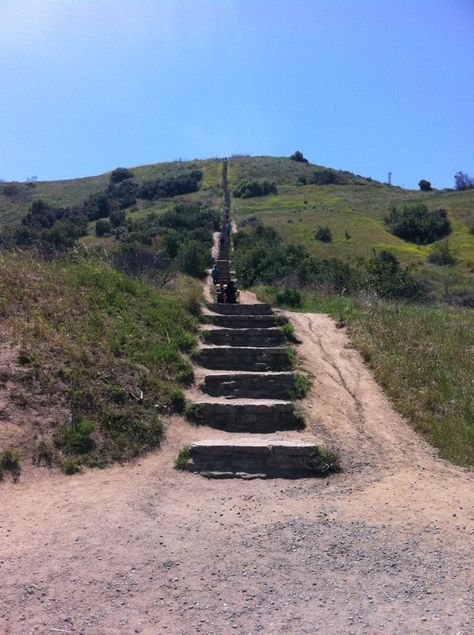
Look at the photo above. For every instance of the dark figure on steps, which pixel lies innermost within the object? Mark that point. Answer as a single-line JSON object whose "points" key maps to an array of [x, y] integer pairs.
{"points": [[220, 294], [231, 293], [215, 274]]}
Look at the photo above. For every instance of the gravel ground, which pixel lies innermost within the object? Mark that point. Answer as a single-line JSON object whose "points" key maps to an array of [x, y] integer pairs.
{"points": [[383, 547]]}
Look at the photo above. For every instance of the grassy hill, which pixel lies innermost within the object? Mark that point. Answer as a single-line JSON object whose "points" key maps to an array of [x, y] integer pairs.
{"points": [[81, 333], [356, 206]]}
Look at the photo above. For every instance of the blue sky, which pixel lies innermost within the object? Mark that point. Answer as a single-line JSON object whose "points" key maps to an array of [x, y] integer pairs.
{"points": [[361, 85]]}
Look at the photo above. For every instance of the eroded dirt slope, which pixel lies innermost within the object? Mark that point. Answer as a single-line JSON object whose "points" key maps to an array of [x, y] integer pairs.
{"points": [[384, 547]]}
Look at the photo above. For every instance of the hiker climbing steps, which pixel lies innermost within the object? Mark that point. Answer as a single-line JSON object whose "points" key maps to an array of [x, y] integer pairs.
{"points": [[244, 382]]}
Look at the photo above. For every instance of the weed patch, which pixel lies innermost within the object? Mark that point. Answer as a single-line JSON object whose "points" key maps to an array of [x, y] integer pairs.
{"points": [[182, 460]]}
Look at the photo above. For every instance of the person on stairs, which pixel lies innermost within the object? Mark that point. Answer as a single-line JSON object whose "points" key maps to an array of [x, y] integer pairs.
{"points": [[215, 274], [231, 293], [220, 294]]}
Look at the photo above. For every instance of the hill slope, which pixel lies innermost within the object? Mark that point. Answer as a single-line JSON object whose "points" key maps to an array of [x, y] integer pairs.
{"points": [[354, 207]]}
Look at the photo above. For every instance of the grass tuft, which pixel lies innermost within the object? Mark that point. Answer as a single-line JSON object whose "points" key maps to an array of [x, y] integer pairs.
{"points": [[182, 460], [325, 461]]}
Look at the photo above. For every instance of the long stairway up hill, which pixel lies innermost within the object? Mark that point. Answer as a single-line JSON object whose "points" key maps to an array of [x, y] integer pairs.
{"points": [[245, 384]]}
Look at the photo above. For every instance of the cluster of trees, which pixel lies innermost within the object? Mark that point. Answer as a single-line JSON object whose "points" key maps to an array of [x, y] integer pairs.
{"points": [[262, 257], [180, 239], [463, 181], [53, 228], [298, 156], [123, 191], [253, 187], [171, 185], [321, 177], [417, 224]]}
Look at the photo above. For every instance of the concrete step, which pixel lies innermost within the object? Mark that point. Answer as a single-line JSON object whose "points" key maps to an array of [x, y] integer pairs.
{"points": [[241, 309], [256, 458], [244, 337], [246, 415], [242, 321], [271, 385], [243, 358]]}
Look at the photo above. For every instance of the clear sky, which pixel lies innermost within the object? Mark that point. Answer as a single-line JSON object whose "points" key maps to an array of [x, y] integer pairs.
{"points": [[361, 85]]}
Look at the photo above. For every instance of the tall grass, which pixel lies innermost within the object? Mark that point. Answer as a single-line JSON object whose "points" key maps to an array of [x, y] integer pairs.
{"points": [[423, 357], [114, 342]]}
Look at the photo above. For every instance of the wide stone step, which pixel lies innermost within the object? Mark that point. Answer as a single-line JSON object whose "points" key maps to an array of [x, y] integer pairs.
{"points": [[255, 458], [241, 309], [244, 337], [244, 358], [250, 385], [247, 416], [243, 321]]}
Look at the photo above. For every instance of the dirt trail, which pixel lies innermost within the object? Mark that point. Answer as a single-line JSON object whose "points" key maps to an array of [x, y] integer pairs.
{"points": [[384, 547]]}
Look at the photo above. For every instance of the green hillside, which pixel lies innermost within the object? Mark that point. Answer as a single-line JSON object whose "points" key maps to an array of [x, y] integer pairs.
{"points": [[354, 208]]}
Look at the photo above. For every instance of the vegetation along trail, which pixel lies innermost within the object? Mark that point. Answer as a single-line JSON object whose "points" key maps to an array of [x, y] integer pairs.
{"points": [[384, 546], [381, 547]]}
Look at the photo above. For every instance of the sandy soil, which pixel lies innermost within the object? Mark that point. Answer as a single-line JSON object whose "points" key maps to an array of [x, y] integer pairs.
{"points": [[383, 547]]}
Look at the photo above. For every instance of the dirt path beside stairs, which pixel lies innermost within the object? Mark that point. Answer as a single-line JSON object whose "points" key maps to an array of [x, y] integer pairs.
{"points": [[384, 547]]}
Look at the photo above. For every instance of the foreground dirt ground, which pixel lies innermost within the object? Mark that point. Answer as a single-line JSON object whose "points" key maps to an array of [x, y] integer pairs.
{"points": [[383, 547]]}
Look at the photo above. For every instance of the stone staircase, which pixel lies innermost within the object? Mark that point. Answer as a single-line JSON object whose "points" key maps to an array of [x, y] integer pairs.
{"points": [[244, 385]]}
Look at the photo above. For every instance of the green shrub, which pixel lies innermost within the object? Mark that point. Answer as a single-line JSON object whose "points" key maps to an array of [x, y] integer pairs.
{"points": [[120, 174], [301, 386], [441, 255], [178, 400], [70, 466], [298, 156], [289, 297], [182, 460], [194, 413], [194, 258], [43, 454], [10, 462], [103, 227], [418, 225], [324, 177], [171, 185], [10, 459], [386, 278], [288, 331], [325, 461], [425, 186], [323, 234], [74, 438], [253, 187]]}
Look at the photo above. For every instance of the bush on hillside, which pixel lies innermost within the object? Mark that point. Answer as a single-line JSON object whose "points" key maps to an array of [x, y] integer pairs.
{"points": [[50, 228], [441, 255], [261, 257], [463, 181], [289, 297], [145, 264], [11, 189], [103, 227], [425, 186], [418, 225], [253, 187], [171, 185], [323, 234], [120, 174], [194, 258], [117, 218], [298, 156], [184, 234], [324, 177], [96, 206], [387, 279], [122, 195]]}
